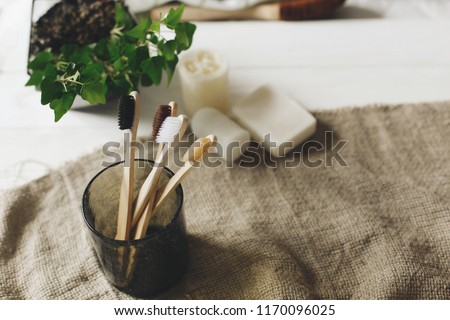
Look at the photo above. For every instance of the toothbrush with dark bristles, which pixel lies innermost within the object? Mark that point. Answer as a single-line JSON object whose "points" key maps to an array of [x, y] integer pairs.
{"points": [[129, 113]]}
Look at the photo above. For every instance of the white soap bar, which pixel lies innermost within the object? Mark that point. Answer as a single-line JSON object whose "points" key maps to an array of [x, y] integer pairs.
{"points": [[232, 139], [204, 80], [266, 111]]}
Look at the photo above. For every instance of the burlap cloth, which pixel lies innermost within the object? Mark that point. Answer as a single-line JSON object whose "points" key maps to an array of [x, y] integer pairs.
{"points": [[377, 229]]}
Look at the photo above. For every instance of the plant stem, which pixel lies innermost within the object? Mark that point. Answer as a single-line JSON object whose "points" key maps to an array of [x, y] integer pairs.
{"points": [[67, 80]]}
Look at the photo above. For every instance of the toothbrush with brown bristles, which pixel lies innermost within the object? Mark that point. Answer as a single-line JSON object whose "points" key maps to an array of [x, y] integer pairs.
{"points": [[129, 112], [190, 160], [157, 125], [170, 129]]}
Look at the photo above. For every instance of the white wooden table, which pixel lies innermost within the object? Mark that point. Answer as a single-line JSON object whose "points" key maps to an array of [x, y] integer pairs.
{"points": [[322, 65]]}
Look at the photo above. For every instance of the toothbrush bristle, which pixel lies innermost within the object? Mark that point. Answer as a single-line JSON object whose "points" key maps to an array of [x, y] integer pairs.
{"points": [[199, 152], [199, 148], [169, 129], [126, 112], [162, 113], [212, 138]]}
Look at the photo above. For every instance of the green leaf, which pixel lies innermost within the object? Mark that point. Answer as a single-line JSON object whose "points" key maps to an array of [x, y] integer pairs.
{"points": [[80, 66], [153, 38], [184, 35], [68, 50], [153, 69], [51, 90], [119, 65], [62, 105], [129, 51], [104, 86], [93, 92], [156, 26], [173, 17], [92, 72], [50, 71], [123, 18], [82, 55], [121, 14], [170, 49], [142, 54], [101, 49], [170, 69], [41, 60], [133, 81], [35, 78], [119, 86], [181, 36], [71, 69], [140, 31], [113, 50], [136, 55], [146, 81]]}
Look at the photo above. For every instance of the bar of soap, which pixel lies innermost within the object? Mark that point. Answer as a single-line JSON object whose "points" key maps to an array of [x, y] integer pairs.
{"points": [[266, 111], [232, 139]]}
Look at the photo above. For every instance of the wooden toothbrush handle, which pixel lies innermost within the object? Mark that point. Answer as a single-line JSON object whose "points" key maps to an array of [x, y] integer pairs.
{"points": [[155, 201], [145, 193], [160, 150], [137, 114], [139, 219], [126, 191], [149, 186], [171, 185], [144, 220]]}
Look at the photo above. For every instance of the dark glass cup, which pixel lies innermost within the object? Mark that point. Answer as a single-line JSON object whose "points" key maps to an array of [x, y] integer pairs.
{"points": [[140, 267]]}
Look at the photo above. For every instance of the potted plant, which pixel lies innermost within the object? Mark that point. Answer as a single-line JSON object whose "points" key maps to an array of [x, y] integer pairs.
{"points": [[113, 64]]}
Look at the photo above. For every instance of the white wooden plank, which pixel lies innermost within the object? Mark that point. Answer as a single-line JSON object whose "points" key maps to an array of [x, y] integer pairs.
{"points": [[354, 43]]}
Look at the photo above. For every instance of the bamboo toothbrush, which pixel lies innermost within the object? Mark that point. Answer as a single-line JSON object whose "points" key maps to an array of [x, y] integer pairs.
{"points": [[170, 128], [163, 112], [204, 144], [166, 135], [288, 10], [129, 112]]}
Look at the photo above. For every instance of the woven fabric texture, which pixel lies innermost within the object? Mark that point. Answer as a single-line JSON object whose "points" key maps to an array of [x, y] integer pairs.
{"points": [[373, 226]]}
